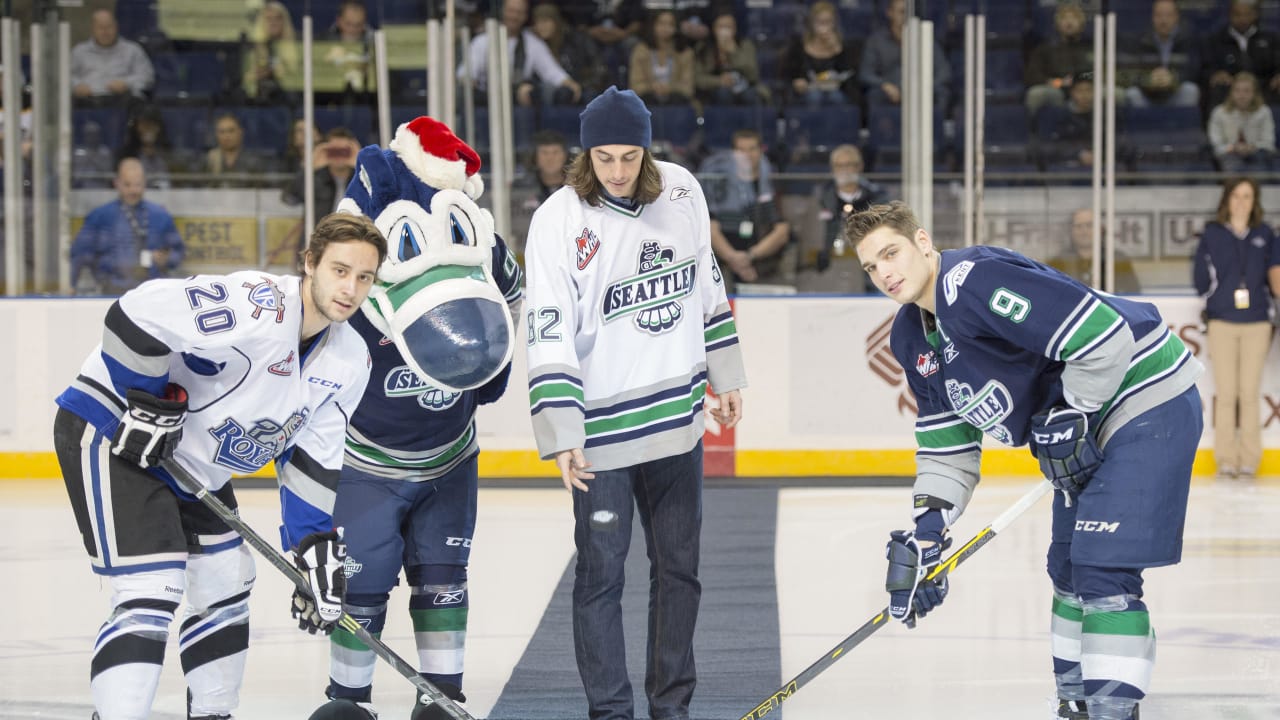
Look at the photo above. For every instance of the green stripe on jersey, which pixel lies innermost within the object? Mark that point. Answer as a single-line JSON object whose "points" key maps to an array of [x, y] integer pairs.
{"points": [[949, 436], [379, 456], [678, 407], [443, 620], [1095, 325], [551, 390], [719, 331], [1118, 623], [1165, 357], [1066, 610]]}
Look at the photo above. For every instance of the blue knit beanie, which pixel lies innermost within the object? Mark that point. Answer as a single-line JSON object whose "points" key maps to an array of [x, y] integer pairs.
{"points": [[615, 117]]}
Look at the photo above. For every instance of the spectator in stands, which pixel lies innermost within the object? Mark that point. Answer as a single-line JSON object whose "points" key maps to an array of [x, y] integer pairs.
{"points": [[576, 52], [694, 18], [24, 127], [725, 70], [1064, 136], [147, 140], [91, 159], [821, 67], [614, 26], [1242, 130], [126, 241], [1055, 65], [545, 174], [661, 68], [846, 193], [353, 51], [537, 77], [1161, 66], [273, 60], [748, 233], [1235, 270], [1076, 259], [229, 156], [880, 71], [335, 162], [107, 65], [1241, 45], [297, 145]]}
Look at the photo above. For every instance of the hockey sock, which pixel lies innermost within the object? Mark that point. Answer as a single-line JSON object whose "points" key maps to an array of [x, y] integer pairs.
{"points": [[1118, 654], [1066, 628], [438, 606], [125, 669], [351, 662], [213, 644]]}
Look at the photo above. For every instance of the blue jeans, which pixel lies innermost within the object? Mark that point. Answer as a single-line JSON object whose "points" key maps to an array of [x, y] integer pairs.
{"points": [[668, 495]]}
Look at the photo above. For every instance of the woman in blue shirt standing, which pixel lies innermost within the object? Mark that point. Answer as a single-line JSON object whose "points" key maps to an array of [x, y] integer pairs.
{"points": [[1231, 272]]}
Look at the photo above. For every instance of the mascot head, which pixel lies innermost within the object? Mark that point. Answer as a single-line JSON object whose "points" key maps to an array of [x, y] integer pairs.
{"points": [[436, 298]]}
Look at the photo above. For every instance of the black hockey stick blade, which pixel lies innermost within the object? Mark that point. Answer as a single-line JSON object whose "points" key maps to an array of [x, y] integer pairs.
{"points": [[789, 688], [348, 623]]}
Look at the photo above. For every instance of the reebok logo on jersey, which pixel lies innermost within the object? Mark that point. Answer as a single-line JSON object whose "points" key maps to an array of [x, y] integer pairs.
{"points": [[404, 382], [266, 296], [954, 278], [451, 597], [927, 364], [587, 244], [652, 295], [679, 193], [284, 367]]}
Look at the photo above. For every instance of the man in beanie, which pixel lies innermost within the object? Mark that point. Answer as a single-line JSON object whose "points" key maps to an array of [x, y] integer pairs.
{"points": [[629, 326]]}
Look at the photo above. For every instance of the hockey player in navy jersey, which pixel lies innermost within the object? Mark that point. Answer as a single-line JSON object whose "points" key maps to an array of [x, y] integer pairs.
{"points": [[223, 373], [628, 324], [1105, 395], [439, 326]]}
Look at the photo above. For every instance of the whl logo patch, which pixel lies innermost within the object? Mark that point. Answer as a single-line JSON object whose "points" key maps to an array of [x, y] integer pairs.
{"points": [[652, 296], [587, 244], [284, 367]]}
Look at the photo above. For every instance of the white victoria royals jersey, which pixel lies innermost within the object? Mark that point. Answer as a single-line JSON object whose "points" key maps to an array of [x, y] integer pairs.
{"points": [[627, 323], [233, 342]]}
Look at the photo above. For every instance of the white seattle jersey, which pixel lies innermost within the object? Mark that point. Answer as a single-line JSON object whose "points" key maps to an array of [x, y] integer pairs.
{"points": [[628, 321], [233, 342]]}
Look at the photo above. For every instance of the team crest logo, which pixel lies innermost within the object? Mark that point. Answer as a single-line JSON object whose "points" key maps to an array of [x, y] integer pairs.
{"points": [[652, 296], [927, 364], [247, 451], [350, 566], [404, 382], [587, 244], [284, 367], [985, 409], [266, 296]]}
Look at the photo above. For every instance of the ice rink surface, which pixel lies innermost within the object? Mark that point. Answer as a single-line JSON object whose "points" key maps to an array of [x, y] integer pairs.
{"points": [[983, 656]]}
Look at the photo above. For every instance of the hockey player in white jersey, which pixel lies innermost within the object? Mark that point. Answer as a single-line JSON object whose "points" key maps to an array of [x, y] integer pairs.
{"points": [[628, 325], [223, 373]]}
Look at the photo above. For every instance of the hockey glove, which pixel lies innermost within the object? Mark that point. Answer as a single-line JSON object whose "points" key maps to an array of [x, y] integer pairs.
{"points": [[151, 427], [320, 556], [912, 556], [1067, 451]]}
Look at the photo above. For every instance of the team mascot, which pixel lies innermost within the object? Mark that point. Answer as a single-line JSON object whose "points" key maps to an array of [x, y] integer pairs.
{"points": [[439, 325]]}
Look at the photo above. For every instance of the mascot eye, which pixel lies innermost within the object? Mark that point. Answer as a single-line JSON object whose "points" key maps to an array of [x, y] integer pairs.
{"points": [[406, 243], [461, 229]]}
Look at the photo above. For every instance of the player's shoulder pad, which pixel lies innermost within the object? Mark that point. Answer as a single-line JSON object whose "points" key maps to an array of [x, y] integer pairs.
{"points": [[979, 271]]}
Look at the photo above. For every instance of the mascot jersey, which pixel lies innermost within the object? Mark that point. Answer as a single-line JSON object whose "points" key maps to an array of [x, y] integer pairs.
{"points": [[630, 328], [1011, 338], [406, 427]]}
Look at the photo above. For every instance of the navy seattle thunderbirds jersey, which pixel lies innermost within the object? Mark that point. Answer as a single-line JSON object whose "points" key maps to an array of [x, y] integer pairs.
{"points": [[1012, 337], [405, 428]]}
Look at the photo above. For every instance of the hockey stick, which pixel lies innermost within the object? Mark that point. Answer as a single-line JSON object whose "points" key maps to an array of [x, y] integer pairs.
{"points": [[348, 623], [789, 688]]}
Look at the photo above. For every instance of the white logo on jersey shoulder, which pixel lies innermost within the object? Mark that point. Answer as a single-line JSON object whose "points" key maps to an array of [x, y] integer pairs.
{"points": [[402, 381], [450, 597], [954, 278], [679, 193], [985, 409]]}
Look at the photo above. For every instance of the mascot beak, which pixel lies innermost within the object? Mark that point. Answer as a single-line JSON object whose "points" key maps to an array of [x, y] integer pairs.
{"points": [[461, 343]]}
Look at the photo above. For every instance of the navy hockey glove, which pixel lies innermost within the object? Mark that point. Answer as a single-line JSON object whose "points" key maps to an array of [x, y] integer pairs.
{"points": [[1068, 454], [911, 559], [320, 557], [151, 427]]}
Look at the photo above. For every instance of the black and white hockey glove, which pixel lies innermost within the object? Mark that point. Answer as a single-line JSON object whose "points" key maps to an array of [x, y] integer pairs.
{"points": [[320, 556], [1067, 451], [912, 556], [151, 427]]}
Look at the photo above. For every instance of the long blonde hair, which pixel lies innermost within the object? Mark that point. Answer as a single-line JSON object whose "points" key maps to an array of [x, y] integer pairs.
{"points": [[287, 52]]}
